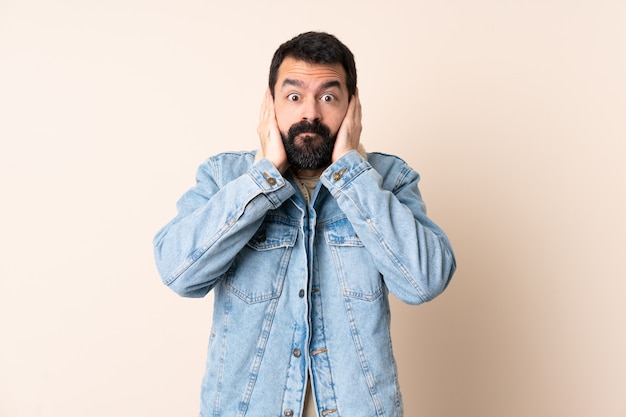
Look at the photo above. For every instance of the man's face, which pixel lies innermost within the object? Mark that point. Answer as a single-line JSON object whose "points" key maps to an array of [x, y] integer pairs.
{"points": [[310, 101]]}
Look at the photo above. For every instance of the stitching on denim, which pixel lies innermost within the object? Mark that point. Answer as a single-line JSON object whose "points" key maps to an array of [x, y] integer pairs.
{"points": [[258, 357], [365, 368]]}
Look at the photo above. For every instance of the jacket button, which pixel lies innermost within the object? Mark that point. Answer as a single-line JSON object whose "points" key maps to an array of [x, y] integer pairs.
{"points": [[338, 174], [262, 237], [301, 294], [288, 412], [297, 352], [270, 180]]}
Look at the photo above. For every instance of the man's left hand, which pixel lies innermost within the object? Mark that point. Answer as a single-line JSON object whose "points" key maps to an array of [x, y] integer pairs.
{"points": [[349, 133]]}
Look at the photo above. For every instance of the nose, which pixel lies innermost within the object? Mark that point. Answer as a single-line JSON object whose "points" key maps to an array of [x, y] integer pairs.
{"points": [[311, 110]]}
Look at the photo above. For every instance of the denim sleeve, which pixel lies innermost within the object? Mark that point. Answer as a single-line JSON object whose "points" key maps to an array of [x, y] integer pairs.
{"points": [[215, 220], [387, 212]]}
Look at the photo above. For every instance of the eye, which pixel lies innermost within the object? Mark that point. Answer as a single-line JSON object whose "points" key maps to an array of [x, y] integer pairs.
{"points": [[328, 98], [293, 97]]}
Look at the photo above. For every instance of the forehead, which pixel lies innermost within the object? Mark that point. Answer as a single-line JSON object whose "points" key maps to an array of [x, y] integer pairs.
{"points": [[309, 73]]}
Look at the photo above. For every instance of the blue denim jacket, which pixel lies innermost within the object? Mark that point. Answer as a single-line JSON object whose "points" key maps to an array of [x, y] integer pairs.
{"points": [[302, 289]]}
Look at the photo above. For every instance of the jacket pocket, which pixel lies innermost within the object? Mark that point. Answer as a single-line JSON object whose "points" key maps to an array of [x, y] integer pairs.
{"points": [[259, 269], [358, 275]]}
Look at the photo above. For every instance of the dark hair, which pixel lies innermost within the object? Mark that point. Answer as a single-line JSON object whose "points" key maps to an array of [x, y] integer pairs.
{"points": [[315, 48]]}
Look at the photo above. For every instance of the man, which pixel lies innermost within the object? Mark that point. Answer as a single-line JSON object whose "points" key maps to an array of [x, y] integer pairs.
{"points": [[301, 242]]}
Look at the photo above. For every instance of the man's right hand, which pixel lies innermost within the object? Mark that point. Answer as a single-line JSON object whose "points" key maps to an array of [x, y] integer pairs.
{"points": [[269, 134]]}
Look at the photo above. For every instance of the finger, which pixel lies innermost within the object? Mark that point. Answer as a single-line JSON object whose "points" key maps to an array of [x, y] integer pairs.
{"points": [[267, 106], [264, 106], [264, 117], [357, 105], [353, 115]]}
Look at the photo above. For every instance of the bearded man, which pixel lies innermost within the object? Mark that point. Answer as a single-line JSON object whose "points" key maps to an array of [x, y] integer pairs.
{"points": [[301, 243]]}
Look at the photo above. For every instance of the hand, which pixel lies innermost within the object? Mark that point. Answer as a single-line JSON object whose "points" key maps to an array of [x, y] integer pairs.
{"points": [[349, 133], [271, 141]]}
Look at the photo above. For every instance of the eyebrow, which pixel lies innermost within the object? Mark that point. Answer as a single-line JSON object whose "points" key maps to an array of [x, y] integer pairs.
{"points": [[331, 84], [298, 83], [295, 83]]}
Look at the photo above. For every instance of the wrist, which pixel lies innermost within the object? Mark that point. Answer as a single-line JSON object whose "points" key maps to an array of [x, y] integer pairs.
{"points": [[281, 166], [339, 153]]}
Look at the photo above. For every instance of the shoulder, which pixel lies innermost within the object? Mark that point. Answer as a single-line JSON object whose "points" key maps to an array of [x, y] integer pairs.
{"points": [[226, 166], [384, 158], [394, 170], [384, 163], [235, 157]]}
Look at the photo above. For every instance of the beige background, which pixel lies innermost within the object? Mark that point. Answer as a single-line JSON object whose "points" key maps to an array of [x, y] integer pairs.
{"points": [[512, 111]]}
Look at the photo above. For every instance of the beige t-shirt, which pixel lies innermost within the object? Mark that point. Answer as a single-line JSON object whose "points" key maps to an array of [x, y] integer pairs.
{"points": [[310, 410], [307, 186]]}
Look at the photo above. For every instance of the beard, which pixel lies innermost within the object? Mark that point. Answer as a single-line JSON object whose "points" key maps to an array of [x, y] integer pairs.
{"points": [[312, 151]]}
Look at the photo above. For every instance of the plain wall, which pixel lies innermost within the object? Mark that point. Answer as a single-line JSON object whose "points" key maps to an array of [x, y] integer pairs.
{"points": [[512, 111]]}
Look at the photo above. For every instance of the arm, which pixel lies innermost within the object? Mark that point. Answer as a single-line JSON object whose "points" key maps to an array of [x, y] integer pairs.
{"points": [[386, 210], [215, 220]]}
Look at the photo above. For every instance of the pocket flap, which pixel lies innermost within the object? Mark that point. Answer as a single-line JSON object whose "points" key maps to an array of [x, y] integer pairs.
{"points": [[274, 234], [341, 233]]}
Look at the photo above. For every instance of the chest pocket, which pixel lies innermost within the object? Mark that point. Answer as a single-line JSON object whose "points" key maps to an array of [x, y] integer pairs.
{"points": [[358, 276], [258, 272]]}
